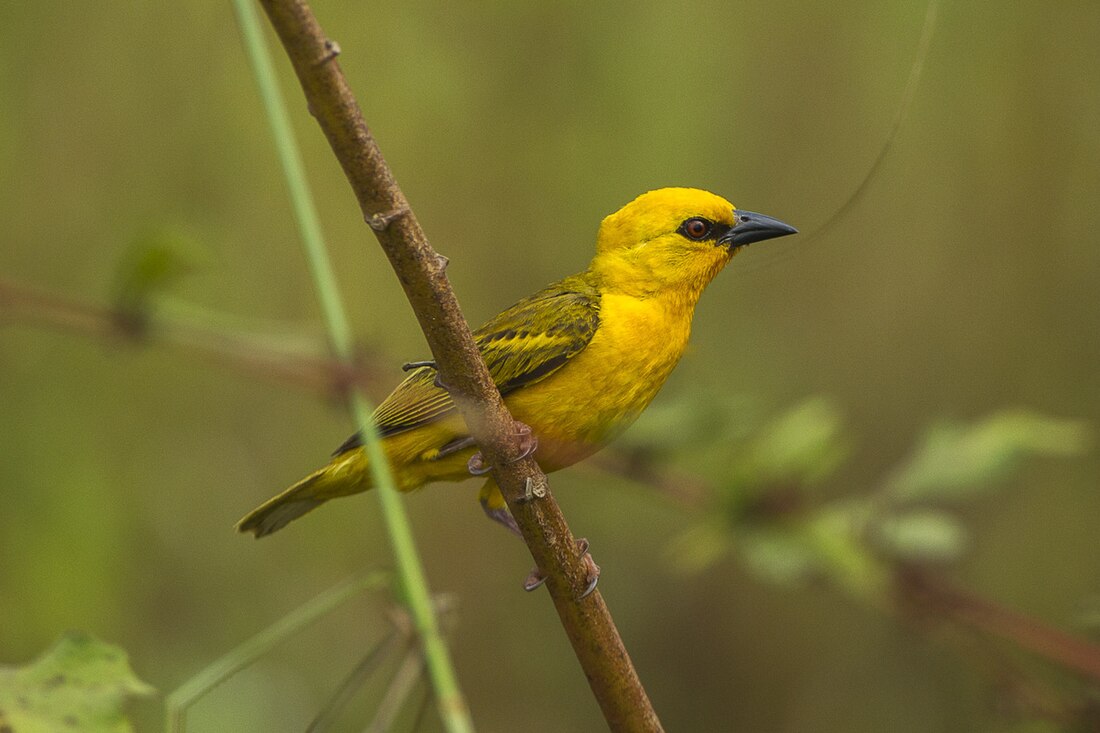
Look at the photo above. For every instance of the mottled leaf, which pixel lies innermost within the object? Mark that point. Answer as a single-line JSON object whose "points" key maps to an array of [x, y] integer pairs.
{"points": [[79, 684]]}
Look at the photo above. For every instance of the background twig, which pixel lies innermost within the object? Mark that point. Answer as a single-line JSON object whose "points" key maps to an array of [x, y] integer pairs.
{"points": [[245, 654], [296, 360]]}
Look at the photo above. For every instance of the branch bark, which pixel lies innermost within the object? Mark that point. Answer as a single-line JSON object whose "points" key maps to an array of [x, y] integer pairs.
{"points": [[421, 271]]}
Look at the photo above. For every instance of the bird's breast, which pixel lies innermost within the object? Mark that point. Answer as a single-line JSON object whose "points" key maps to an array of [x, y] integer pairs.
{"points": [[604, 388]]}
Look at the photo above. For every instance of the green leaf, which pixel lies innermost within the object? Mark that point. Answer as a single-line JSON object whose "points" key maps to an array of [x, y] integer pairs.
{"points": [[922, 536], [700, 547], [778, 555], [153, 263], [960, 461], [837, 535], [694, 421], [804, 444], [79, 684]]}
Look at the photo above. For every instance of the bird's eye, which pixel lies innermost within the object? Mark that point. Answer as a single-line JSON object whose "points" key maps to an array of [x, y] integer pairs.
{"points": [[696, 228]]}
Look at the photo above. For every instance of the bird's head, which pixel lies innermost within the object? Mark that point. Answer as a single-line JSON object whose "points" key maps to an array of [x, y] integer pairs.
{"points": [[675, 240]]}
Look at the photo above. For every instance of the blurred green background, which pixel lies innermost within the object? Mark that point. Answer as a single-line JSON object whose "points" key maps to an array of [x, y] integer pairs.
{"points": [[964, 281]]}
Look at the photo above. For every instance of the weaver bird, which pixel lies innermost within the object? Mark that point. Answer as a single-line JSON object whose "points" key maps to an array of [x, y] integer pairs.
{"points": [[577, 361]]}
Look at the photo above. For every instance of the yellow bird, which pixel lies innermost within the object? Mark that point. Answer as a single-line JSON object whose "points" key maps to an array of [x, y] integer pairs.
{"points": [[577, 361]]}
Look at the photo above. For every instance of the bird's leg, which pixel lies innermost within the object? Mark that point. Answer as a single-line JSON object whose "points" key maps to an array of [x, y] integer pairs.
{"points": [[528, 444], [456, 445], [592, 572]]}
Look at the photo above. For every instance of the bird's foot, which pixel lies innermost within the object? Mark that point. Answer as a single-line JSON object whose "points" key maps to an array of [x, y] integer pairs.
{"points": [[592, 572], [477, 466], [528, 444], [454, 446]]}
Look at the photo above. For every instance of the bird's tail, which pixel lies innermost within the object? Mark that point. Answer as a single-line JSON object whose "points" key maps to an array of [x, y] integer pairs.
{"points": [[347, 474]]}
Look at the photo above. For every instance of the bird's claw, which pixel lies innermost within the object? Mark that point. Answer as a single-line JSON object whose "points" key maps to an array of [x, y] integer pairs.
{"points": [[534, 579], [528, 444], [477, 466], [592, 572]]}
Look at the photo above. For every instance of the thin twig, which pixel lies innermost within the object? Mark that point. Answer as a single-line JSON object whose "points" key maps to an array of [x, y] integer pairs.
{"points": [[420, 270], [928, 592], [401, 686], [246, 653], [358, 676], [271, 357], [422, 710], [928, 30]]}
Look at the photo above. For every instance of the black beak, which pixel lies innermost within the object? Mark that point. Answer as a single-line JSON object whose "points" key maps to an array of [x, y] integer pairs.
{"points": [[749, 227]]}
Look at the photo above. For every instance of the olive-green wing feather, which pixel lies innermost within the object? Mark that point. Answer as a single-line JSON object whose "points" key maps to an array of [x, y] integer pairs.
{"points": [[537, 336], [521, 346]]}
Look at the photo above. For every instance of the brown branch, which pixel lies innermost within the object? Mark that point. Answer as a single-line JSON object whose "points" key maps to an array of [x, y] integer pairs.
{"points": [[421, 272], [250, 354], [932, 594]]}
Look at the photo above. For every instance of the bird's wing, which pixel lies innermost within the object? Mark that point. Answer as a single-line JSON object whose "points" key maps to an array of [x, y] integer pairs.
{"points": [[521, 346]]}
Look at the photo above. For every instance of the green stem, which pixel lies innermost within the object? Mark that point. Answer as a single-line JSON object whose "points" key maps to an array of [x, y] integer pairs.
{"points": [[301, 200], [452, 706], [240, 657]]}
